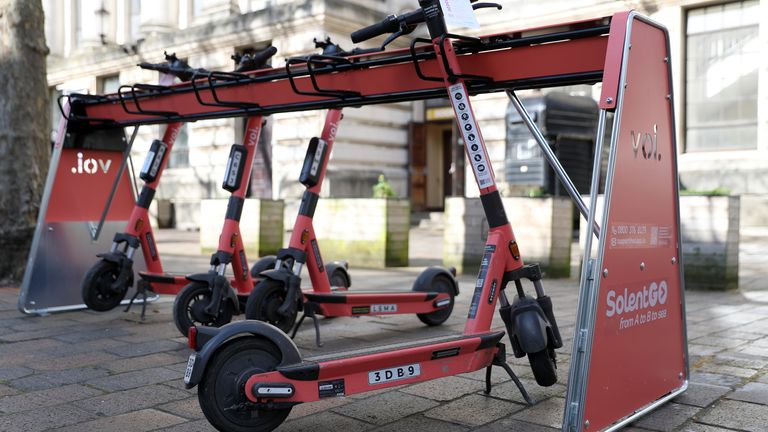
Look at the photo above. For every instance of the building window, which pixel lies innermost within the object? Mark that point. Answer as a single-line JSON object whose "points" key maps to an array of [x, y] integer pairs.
{"points": [[722, 51], [135, 19], [179, 155], [108, 84], [197, 7]]}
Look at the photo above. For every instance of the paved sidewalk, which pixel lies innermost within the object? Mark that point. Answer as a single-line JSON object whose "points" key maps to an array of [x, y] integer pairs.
{"points": [[86, 371]]}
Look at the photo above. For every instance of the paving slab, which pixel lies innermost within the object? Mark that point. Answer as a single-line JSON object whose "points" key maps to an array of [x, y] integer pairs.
{"points": [[44, 419], [546, 413], [702, 395], [421, 423], [326, 421], [134, 379], [752, 392], [137, 421], [130, 400], [474, 410], [737, 415], [668, 417], [386, 407]]}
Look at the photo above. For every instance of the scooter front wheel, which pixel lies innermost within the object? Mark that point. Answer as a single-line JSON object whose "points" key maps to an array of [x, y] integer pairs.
{"points": [[221, 392], [190, 308], [442, 284], [98, 293], [543, 366], [264, 302]]}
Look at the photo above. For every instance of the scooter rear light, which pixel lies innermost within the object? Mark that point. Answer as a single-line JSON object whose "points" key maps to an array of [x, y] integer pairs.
{"points": [[192, 338]]}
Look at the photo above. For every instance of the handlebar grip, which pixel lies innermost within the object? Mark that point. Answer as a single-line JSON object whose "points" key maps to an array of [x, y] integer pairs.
{"points": [[387, 25], [262, 56], [160, 67]]}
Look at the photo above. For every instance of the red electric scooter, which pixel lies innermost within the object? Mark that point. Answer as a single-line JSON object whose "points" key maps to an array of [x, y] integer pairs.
{"points": [[278, 297], [250, 374], [203, 299]]}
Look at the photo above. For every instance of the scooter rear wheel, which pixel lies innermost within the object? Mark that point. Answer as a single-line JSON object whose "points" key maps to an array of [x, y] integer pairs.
{"points": [[97, 292], [221, 392], [440, 284], [264, 301], [543, 366], [189, 308]]}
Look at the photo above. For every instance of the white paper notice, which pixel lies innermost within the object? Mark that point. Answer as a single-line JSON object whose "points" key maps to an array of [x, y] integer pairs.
{"points": [[459, 13]]}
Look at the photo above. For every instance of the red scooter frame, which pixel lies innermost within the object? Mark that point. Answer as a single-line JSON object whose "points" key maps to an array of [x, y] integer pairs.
{"points": [[275, 298]]}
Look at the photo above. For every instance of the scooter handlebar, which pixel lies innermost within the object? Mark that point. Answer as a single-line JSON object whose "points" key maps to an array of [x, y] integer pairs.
{"points": [[389, 24]]}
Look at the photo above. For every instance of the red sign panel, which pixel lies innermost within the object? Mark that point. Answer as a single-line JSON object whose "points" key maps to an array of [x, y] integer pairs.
{"points": [[638, 348], [84, 180]]}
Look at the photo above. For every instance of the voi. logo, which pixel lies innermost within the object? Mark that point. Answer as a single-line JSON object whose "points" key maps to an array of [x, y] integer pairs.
{"points": [[645, 144]]}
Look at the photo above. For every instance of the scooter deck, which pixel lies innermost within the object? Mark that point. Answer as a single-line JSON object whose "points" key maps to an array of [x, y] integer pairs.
{"points": [[357, 371], [489, 339], [342, 303], [366, 297]]}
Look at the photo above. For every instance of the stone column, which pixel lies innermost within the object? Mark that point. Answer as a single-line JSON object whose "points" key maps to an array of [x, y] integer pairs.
{"points": [[89, 18], [54, 26], [159, 17]]}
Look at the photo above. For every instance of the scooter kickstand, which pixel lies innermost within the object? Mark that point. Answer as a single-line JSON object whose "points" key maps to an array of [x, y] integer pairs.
{"points": [[141, 290], [500, 360], [309, 311]]}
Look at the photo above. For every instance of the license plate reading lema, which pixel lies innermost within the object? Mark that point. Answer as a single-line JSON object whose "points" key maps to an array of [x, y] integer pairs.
{"points": [[394, 374]]}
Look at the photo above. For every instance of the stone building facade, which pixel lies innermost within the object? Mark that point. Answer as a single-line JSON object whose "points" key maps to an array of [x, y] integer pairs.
{"points": [[717, 49]]}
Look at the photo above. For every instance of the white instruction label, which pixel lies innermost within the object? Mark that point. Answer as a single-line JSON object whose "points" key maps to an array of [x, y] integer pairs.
{"points": [[471, 135], [459, 13]]}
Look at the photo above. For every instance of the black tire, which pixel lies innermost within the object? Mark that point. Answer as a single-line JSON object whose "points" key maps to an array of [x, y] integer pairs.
{"points": [[441, 283], [265, 299], [223, 386], [338, 278], [96, 289], [189, 305], [262, 264], [543, 366]]}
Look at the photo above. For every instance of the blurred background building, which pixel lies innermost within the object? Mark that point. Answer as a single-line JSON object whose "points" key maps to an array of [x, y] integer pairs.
{"points": [[722, 123]]}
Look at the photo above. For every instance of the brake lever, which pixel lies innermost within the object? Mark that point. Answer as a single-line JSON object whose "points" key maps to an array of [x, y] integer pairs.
{"points": [[404, 30], [477, 6]]}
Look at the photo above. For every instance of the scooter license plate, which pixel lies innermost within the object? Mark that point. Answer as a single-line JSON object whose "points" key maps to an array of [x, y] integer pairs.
{"points": [[394, 374], [190, 367]]}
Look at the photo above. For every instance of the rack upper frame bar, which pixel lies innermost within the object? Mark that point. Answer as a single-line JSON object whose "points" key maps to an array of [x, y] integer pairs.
{"points": [[566, 54]]}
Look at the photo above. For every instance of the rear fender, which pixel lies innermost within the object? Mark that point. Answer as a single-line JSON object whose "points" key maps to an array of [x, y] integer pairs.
{"points": [[212, 339]]}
